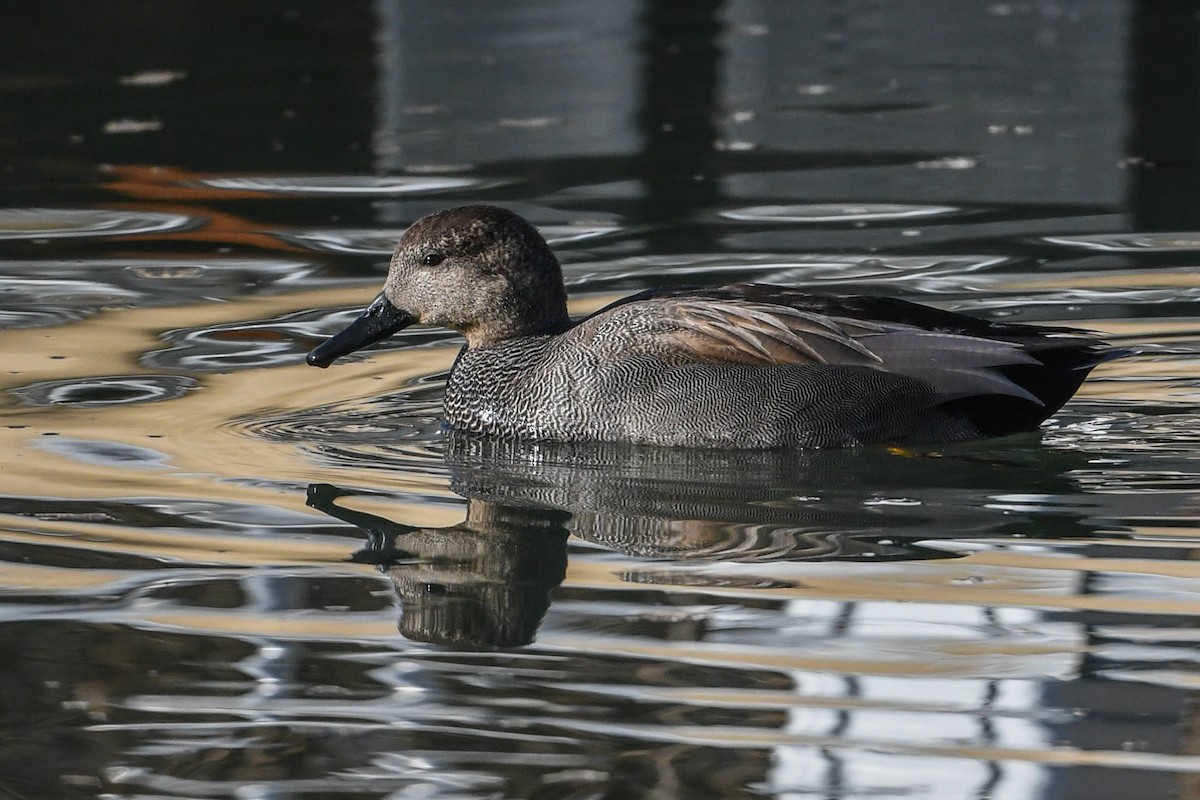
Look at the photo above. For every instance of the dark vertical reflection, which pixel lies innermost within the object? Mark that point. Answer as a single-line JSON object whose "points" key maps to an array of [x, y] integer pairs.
{"points": [[677, 118], [1165, 105], [1113, 710], [271, 85]]}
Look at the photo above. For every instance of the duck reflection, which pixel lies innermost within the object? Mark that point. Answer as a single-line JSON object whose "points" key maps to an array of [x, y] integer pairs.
{"points": [[486, 581], [787, 504]]}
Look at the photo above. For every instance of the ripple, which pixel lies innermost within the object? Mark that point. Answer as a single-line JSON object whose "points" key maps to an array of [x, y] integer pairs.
{"points": [[848, 269], [159, 77], [355, 185], [65, 290], [43, 318], [1131, 242], [98, 392], [222, 348], [381, 242], [835, 212], [78, 283], [266, 343], [127, 126], [242, 271], [166, 281], [948, 162], [398, 431], [62, 291], [413, 413], [105, 454], [565, 234], [70, 223], [682, 578], [354, 242]]}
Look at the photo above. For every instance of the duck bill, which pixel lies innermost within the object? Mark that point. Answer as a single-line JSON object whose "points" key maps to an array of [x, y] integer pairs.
{"points": [[379, 321]]}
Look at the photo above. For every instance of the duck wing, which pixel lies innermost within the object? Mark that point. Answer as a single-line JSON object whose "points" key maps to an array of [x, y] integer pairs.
{"points": [[867, 310], [683, 329], [773, 326]]}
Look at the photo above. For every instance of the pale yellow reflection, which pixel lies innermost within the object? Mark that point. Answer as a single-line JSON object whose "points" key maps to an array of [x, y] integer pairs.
{"points": [[1108, 279], [208, 454], [989, 578]]}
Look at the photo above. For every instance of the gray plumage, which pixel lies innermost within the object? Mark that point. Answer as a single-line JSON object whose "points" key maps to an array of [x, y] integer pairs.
{"points": [[745, 365]]}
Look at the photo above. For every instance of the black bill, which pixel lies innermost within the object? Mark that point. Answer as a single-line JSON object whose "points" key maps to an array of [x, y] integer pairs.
{"points": [[379, 321]]}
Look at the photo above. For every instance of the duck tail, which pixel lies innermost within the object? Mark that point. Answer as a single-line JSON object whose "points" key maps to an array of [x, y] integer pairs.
{"points": [[1061, 368]]}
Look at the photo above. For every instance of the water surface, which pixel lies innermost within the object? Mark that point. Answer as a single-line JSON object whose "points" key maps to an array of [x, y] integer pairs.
{"points": [[226, 574]]}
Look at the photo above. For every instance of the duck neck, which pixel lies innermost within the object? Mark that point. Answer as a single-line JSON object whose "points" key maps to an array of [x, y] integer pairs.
{"points": [[548, 318]]}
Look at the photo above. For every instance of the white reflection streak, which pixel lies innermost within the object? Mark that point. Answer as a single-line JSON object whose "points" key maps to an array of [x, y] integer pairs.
{"points": [[993, 713]]}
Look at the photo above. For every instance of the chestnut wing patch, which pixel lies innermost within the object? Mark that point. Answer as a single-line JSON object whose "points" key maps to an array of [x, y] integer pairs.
{"points": [[726, 332], [712, 331]]}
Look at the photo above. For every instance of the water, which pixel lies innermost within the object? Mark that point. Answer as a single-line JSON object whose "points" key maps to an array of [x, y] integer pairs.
{"points": [[226, 574]]}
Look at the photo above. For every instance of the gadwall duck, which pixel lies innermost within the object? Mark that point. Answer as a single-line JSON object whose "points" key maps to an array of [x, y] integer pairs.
{"points": [[741, 366]]}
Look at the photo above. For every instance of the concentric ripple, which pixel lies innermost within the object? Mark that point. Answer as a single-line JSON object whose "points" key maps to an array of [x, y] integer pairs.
{"points": [[397, 431], [220, 348], [266, 343], [97, 392], [70, 223]]}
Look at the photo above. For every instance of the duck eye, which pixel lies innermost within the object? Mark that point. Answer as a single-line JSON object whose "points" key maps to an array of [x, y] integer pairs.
{"points": [[432, 258]]}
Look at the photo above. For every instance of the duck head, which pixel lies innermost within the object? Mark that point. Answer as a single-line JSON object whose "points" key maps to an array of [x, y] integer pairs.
{"points": [[480, 270]]}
